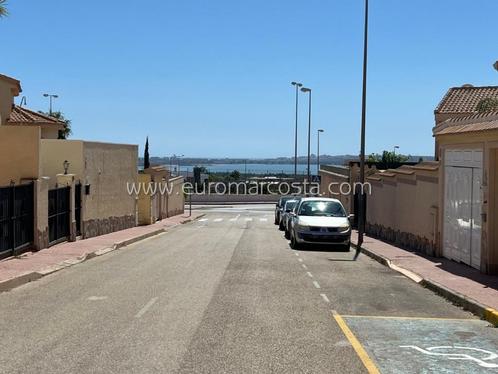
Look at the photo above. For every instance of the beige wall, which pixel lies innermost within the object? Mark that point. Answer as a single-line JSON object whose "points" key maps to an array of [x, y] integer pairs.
{"points": [[54, 152], [108, 169], [402, 207], [176, 200], [19, 154], [6, 99], [493, 216], [330, 183], [144, 202]]}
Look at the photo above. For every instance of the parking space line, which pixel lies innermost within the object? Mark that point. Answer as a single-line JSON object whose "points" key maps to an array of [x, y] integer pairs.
{"points": [[316, 284], [309, 274], [249, 219], [263, 219], [304, 266], [300, 259], [142, 311], [235, 218], [218, 219], [203, 219], [360, 351], [325, 298]]}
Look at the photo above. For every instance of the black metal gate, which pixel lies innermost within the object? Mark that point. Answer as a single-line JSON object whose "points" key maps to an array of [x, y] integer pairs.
{"points": [[77, 208], [16, 219], [59, 214]]}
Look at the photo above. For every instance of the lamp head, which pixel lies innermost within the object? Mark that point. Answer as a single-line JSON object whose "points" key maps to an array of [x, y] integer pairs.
{"points": [[304, 89]]}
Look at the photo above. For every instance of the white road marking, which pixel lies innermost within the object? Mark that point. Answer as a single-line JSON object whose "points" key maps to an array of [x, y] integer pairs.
{"points": [[96, 298], [304, 266], [218, 219], [249, 219], [142, 311], [235, 218], [315, 283], [297, 254], [325, 298], [309, 274], [204, 219], [300, 259], [263, 219]]}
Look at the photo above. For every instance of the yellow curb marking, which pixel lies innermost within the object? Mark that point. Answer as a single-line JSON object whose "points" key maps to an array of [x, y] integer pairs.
{"points": [[360, 351], [414, 318], [491, 316]]}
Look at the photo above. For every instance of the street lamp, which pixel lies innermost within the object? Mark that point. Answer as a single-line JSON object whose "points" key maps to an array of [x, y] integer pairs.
{"points": [[318, 153], [361, 200], [50, 96], [171, 164], [395, 148], [308, 90], [297, 85]]}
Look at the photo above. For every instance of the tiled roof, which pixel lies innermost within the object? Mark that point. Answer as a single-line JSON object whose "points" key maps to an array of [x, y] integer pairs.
{"points": [[473, 123], [21, 116], [465, 99]]}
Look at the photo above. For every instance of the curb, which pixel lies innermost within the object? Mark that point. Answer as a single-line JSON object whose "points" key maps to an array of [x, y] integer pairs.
{"points": [[467, 303], [27, 277]]}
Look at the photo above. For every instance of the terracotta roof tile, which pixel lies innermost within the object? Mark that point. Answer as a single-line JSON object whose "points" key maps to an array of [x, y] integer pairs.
{"points": [[476, 122], [21, 116], [465, 99]]}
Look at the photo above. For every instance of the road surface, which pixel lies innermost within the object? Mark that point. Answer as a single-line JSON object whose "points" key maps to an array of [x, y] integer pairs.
{"points": [[226, 294]]}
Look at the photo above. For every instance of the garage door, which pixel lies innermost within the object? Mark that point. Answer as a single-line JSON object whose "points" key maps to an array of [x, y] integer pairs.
{"points": [[462, 206]]}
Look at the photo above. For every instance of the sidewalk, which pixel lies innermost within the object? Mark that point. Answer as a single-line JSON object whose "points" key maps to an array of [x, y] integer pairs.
{"points": [[15, 271], [459, 283]]}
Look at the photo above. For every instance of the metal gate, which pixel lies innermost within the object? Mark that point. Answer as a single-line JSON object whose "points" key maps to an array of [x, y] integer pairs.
{"points": [[77, 208], [58, 214], [462, 206], [16, 219]]}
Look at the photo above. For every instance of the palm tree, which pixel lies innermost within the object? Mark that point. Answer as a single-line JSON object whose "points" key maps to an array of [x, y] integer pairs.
{"points": [[3, 9]]}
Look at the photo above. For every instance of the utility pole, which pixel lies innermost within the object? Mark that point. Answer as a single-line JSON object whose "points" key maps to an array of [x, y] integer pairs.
{"points": [[361, 200]]}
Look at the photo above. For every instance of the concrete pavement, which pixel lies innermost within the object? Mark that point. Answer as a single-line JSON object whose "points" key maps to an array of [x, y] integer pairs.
{"points": [[226, 294]]}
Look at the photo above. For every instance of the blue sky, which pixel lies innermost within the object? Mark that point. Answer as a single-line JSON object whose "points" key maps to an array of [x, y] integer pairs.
{"points": [[212, 78]]}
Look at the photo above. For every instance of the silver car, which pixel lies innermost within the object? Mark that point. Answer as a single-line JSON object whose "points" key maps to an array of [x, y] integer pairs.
{"points": [[284, 216], [320, 221]]}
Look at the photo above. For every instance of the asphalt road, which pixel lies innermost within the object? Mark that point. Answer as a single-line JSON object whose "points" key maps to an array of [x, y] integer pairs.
{"points": [[226, 294]]}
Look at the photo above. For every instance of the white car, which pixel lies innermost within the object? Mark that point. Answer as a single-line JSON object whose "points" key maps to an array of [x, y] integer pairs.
{"points": [[320, 220]]}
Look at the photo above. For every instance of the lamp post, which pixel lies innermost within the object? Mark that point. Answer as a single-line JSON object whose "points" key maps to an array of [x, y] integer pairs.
{"points": [[297, 85], [50, 96], [308, 90], [361, 200], [395, 148], [318, 153]]}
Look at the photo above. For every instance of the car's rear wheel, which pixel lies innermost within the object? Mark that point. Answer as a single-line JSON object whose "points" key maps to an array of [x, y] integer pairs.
{"points": [[287, 234], [281, 226]]}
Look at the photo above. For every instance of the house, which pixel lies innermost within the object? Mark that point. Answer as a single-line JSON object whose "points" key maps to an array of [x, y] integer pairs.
{"points": [[15, 115], [468, 192], [53, 189], [463, 101]]}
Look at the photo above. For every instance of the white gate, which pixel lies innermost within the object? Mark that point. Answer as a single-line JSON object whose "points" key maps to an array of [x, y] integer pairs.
{"points": [[462, 206]]}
